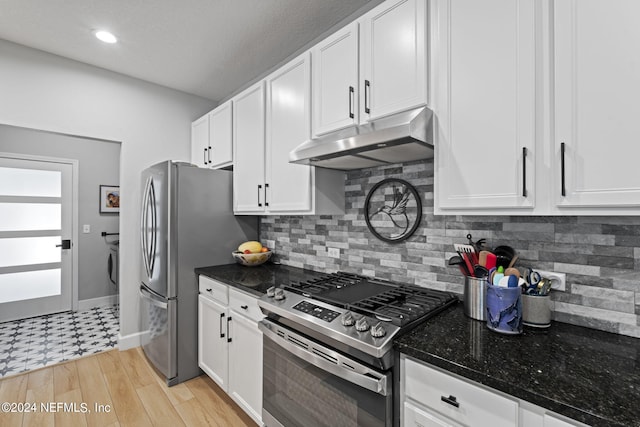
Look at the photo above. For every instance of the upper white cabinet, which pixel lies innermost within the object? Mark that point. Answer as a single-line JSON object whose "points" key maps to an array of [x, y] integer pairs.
{"points": [[597, 88], [220, 136], [393, 58], [335, 81], [535, 106], [248, 143], [211, 142], [264, 180], [484, 83], [200, 142], [374, 67]]}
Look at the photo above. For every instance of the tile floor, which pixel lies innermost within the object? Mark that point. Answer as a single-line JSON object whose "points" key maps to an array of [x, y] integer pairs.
{"points": [[42, 341]]}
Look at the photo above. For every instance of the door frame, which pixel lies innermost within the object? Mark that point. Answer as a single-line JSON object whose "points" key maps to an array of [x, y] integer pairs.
{"points": [[74, 213]]}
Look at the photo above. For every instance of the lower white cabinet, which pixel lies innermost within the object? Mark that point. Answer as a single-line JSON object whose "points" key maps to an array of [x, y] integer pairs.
{"points": [[430, 397], [230, 343], [453, 402]]}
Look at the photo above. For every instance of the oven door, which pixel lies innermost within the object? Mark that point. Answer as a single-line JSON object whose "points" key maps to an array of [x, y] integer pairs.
{"points": [[306, 384]]}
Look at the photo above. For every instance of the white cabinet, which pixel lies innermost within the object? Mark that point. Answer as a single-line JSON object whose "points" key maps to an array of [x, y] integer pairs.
{"points": [[450, 401], [213, 357], [230, 343], [335, 81], [211, 142], [200, 142], [220, 136], [393, 58], [431, 397], [248, 143], [264, 180], [374, 67], [484, 83], [597, 88]]}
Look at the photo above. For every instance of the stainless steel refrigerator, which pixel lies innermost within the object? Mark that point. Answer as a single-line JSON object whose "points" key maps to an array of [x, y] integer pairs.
{"points": [[186, 222]]}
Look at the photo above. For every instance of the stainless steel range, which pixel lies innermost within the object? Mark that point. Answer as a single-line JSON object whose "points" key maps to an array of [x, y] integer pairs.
{"points": [[328, 348]]}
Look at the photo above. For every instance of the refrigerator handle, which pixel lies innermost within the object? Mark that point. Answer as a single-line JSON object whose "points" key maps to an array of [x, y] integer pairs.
{"points": [[143, 227], [154, 227], [148, 296]]}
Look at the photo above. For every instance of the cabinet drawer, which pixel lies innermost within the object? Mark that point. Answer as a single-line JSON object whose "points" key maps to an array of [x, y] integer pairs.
{"points": [[476, 406], [417, 417], [245, 304], [216, 290]]}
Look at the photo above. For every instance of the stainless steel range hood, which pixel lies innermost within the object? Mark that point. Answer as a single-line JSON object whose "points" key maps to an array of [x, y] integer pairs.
{"points": [[398, 138]]}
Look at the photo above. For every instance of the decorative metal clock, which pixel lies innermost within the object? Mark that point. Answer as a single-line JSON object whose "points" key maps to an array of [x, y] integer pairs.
{"points": [[393, 210]]}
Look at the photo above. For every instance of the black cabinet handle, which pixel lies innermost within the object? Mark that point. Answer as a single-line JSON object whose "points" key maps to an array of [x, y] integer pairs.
{"points": [[221, 317], [367, 86], [209, 155], [351, 96], [524, 171], [208, 289], [228, 335], [451, 400], [244, 307], [265, 194], [259, 188], [205, 155], [562, 171]]}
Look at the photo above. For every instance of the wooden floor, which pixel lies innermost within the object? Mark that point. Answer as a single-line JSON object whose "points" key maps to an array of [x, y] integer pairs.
{"points": [[114, 388]]}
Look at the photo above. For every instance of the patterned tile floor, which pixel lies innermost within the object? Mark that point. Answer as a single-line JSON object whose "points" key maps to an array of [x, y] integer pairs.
{"points": [[42, 341]]}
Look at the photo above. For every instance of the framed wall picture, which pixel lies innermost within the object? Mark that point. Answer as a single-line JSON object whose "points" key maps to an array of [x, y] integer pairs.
{"points": [[109, 198]]}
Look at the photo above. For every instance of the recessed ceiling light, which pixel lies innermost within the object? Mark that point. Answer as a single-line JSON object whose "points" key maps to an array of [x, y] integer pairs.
{"points": [[106, 36]]}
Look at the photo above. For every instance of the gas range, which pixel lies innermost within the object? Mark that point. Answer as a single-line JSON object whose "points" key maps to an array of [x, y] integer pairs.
{"points": [[357, 315]]}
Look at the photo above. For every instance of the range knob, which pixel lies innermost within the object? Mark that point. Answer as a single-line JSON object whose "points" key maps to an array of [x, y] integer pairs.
{"points": [[347, 319], [362, 324], [378, 331], [271, 292], [279, 294]]}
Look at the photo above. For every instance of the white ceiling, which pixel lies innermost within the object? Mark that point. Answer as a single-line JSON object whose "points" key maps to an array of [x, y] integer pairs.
{"points": [[208, 48]]}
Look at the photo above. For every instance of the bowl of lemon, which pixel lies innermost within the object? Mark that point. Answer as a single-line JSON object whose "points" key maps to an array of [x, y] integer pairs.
{"points": [[251, 254]]}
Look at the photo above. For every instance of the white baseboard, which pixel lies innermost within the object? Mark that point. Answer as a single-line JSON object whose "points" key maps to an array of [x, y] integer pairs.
{"points": [[125, 342], [86, 304]]}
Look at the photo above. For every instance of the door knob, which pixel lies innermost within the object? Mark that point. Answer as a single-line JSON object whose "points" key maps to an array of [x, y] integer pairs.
{"points": [[66, 244]]}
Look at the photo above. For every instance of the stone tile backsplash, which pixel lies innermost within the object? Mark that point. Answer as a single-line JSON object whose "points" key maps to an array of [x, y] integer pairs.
{"points": [[601, 255]]}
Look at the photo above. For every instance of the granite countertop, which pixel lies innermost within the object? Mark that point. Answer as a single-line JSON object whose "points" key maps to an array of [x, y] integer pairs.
{"points": [[256, 280], [584, 374]]}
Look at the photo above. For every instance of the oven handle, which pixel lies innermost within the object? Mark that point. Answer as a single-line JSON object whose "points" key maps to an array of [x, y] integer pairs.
{"points": [[363, 376]]}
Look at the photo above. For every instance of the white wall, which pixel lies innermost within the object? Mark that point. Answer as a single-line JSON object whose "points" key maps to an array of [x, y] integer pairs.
{"points": [[153, 123]]}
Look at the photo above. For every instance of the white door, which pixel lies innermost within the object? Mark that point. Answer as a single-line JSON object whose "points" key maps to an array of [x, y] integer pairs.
{"points": [[597, 87], [220, 142], [288, 124], [245, 365], [248, 137], [335, 81], [213, 356], [393, 60], [35, 237], [484, 100], [200, 154]]}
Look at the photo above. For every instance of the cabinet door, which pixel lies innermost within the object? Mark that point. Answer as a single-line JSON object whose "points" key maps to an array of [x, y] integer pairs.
{"points": [[248, 141], [220, 142], [484, 98], [200, 142], [213, 356], [335, 81], [288, 185], [245, 368], [597, 88], [393, 59]]}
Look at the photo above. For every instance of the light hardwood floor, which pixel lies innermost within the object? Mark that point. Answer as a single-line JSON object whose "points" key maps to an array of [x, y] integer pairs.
{"points": [[122, 382]]}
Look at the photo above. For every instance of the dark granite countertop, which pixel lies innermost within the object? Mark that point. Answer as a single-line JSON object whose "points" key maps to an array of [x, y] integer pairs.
{"points": [[584, 374], [256, 280]]}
